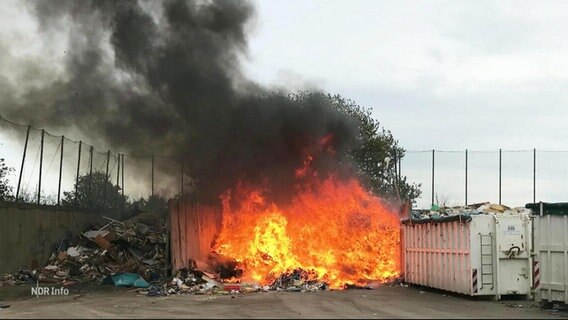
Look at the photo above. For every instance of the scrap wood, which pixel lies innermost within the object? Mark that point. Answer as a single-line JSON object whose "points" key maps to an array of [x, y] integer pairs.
{"points": [[102, 242], [106, 225], [100, 252], [111, 219]]}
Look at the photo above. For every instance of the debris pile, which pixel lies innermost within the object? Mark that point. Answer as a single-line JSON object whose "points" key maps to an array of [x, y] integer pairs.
{"points": [[298, 280], [193, 281], [113, 253], [7, 280], [132, 253], [473, 209]]}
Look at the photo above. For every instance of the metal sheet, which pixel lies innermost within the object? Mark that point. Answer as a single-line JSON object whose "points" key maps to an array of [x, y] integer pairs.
{"points": [[551, 258], [475, 257]]}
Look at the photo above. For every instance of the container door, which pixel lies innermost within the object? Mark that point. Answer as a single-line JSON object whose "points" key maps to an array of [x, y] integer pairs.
{"points": [[513, 235], [551, 247]]}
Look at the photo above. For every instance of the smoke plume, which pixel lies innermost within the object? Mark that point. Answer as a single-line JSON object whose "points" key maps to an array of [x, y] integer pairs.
{"points": [[165, 78]]}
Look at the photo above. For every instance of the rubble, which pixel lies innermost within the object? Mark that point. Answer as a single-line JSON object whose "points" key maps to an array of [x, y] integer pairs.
{"points": [[437, 212], [194, 281], [118, 250], [133, 254], [187, 281], [298, 280], [355, 286], [393, 282], [7, 280]]}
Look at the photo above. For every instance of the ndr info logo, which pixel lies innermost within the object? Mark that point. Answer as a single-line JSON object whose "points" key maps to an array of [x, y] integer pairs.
{"points": [[49, 291]]}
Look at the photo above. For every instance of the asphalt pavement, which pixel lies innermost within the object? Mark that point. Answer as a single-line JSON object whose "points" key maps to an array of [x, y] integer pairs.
{"points": [[384, 302]]}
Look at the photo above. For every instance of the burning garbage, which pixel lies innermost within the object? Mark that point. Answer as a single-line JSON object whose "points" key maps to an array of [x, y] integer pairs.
{"points": [[324, 232], [194, 281], [299, 280], [332, 226], [331, 234], [132, 253]]}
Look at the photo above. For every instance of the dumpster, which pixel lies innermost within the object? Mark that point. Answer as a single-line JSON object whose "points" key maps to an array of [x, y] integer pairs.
{"points": [[471, 254], [550, 271]]}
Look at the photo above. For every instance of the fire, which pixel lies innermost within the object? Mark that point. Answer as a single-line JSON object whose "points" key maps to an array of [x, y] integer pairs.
{"points": [[333, 227]]}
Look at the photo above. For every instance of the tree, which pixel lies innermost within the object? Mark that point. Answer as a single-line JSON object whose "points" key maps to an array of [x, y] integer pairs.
{"points": [[5, 189], [155, 203], [376, 153], [95, 192]]}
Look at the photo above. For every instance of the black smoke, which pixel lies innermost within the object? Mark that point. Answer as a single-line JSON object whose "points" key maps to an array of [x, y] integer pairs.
{"points": [[165, 78]]}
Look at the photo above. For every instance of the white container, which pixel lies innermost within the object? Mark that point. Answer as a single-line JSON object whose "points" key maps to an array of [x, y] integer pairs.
{"points": [[481, 255], [550, 252]]}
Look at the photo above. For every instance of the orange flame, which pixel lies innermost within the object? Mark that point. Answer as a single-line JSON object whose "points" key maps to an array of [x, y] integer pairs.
{"points": [[333, 227]]}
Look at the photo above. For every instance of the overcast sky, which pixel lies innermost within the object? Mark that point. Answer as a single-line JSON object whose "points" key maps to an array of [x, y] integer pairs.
{"points": [[446, 75], [439, 74]]}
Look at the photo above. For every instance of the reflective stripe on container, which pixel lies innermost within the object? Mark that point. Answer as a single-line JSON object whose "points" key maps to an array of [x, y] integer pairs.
{"points": [[474, 280]]}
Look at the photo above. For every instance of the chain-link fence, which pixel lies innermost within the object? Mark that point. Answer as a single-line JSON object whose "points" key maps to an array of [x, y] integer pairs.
{"points": [[55, 170], [49, 169], [509, 177]]}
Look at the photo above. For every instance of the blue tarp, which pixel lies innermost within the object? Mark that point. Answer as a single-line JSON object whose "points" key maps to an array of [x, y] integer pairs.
{"points": [[129, 280]]}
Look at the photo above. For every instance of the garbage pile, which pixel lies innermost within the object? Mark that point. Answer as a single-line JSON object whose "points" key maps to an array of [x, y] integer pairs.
{"points": [[473, 209], [132, 253], [298, 280], [124, 253], [193, 281], [6, 280]]}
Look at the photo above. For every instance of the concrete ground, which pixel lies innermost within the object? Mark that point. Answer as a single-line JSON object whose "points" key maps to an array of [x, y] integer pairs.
{"points": [[384, 302]]}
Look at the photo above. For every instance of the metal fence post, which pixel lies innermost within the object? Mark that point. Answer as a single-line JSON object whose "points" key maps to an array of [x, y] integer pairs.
{"points": [[433, 158], [118, 180], [118, 171], [107, 178], [91, 177], [152, 175], [122, 202], [77, 178], [40, 167], [60, 172], [22, 167], [534, 175], [466, 158], [123, 175], [500, 169]]}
